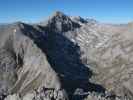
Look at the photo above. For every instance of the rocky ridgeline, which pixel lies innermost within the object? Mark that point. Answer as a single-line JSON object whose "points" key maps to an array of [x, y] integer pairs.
{"points": [[109, 96], [40, 94], [80, 95], [51, 94], [74, 58]]}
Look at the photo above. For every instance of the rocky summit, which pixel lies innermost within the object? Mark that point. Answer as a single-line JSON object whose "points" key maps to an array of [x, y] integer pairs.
{"points": [[66, 58]]}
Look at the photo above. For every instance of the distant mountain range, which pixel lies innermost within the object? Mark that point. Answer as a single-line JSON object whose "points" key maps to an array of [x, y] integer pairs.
{"points": [[66, 58]]}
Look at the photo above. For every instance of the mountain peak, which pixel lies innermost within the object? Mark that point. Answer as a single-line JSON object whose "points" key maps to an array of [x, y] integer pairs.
{"points": [[58, 13], [59, 22]]}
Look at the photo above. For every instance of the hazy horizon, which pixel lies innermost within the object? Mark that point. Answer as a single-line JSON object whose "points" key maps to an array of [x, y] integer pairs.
{"points": [[108, 11]]}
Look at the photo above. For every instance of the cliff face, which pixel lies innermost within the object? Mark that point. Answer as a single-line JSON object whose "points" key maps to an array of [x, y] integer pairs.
{"points": [[107, 50], [65, 58], [24, 67]]}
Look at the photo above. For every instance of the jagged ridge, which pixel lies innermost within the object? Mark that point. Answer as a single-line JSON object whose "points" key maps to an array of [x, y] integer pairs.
{"points": [[66, 54]]}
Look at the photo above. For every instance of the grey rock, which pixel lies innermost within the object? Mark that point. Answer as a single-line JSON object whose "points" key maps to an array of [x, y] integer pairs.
{"points": [[66, 54]]}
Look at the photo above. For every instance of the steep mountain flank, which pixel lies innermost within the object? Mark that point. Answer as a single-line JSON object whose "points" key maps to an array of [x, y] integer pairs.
{"points": [[65, 58], [24, 66]]}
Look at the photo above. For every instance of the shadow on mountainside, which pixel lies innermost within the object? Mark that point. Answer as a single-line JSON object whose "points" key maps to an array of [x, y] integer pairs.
{"points": [[64, 57]]}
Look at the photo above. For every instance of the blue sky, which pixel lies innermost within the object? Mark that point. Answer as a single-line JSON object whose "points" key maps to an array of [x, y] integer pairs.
{"points": [[115, 11]]}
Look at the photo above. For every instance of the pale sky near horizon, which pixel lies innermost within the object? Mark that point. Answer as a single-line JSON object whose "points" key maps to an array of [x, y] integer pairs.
{"points": [[115, 11]]}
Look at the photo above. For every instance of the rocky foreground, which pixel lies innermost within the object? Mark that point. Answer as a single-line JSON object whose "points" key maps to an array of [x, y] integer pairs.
{"points": [[66, 58]]}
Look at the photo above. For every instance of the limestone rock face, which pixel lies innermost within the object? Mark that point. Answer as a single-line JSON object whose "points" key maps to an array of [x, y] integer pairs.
{"points": [[24, 67], [66, 58], [60, 22], [40, 94], [106, 49]]}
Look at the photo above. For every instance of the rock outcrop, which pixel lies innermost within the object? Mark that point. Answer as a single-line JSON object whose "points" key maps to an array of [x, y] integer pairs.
{"points": [[24, 66], [66, 58]]}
